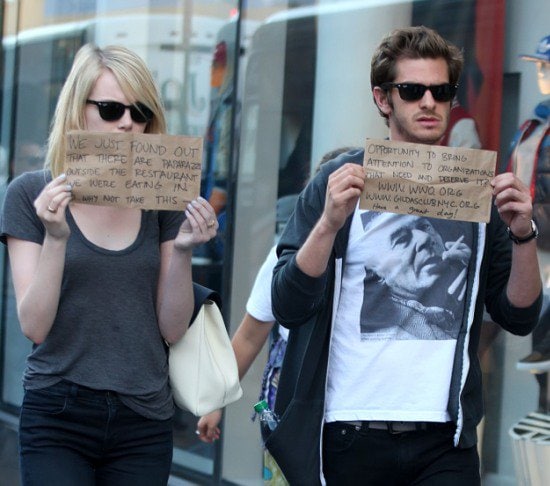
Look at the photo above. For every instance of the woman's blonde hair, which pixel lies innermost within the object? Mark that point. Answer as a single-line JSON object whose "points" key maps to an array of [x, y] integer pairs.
{"points": [[132, 75]]}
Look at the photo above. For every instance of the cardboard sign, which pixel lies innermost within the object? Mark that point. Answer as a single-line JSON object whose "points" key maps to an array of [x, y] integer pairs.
{"points": [[428, 180], [146, 171]]}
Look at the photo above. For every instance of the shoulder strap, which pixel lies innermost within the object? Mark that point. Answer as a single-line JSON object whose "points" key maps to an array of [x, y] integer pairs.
{"points": [[201, 294]]}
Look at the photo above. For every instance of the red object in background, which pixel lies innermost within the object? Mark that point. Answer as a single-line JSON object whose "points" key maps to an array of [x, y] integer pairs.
{"points": [[219, 65], [477, 27], [486, 106]]}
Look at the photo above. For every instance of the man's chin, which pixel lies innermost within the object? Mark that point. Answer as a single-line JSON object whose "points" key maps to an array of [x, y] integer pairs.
{"points": [[429, 136], [431, 139]]}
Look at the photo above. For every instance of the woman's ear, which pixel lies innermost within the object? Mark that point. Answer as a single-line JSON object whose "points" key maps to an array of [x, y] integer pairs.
{"points": [[382, 100]]}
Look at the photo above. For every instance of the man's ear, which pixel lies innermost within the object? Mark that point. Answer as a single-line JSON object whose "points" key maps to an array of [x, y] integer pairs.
{"points": [[381, 98]]}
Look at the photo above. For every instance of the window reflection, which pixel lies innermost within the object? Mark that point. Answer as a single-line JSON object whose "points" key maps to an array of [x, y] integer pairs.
{"points": [[196, 93], [303, 89]]}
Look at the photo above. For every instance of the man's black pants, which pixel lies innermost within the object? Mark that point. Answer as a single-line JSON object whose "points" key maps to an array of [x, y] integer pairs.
{"points": [[354, 455]]}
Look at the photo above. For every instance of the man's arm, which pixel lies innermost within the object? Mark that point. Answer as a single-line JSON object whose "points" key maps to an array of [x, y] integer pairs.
{"points": [[299, 278], [343, 190], [515, 208]]}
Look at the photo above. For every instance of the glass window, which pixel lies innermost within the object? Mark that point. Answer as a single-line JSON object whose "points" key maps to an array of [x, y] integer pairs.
{"points": [[177, 40], [305, 90], [271, 88]]}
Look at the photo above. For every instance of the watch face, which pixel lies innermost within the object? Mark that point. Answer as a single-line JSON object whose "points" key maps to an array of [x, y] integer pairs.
{"points": [[534, 229]]}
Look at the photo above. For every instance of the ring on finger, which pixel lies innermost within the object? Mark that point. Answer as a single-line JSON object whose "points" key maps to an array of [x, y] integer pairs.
{"points": [[51, 210], [211, 223]]}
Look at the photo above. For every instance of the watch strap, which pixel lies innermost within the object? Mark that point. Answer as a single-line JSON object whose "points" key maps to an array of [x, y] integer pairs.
{"points": [[519, 241]]}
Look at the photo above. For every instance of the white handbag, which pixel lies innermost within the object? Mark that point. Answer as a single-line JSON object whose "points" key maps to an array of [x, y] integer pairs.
{"points": [[202, 365]]}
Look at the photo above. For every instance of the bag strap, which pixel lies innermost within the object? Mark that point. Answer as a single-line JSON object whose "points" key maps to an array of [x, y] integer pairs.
{"points": [[201, 294]]}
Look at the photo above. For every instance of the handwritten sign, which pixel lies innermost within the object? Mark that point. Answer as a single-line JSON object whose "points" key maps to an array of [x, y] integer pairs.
{"points": [[428, 180], [146, 171]]}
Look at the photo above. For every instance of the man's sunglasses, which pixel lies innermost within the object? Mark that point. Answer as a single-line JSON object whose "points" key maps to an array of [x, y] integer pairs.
{"points": [[113, 110], [415, 92]]}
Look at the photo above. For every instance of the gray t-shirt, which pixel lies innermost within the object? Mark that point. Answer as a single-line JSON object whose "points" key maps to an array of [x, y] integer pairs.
{"points": [[105, 335]]}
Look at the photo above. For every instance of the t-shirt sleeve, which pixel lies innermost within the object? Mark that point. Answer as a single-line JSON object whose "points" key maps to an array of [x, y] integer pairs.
{"points": [[169, 223], [259, 302], [18, 218]]}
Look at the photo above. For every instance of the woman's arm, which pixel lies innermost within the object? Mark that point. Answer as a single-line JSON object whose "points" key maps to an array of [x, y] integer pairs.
{"points": [[37, 270], [175, 299]]}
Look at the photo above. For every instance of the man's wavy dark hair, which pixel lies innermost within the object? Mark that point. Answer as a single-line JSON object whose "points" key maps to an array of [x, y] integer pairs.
{"points": [[413, 43]]}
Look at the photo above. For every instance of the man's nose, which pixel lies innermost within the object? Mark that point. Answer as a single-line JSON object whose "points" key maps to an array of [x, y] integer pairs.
{"points": [[427, 101]]}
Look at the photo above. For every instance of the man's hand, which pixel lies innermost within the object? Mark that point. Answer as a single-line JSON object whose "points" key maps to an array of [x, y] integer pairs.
{"points": [[513, 200], [343, 190]]}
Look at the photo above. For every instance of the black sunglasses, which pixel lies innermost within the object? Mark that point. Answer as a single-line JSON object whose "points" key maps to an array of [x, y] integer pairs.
{"points": [[414, 91], [113, 110]]}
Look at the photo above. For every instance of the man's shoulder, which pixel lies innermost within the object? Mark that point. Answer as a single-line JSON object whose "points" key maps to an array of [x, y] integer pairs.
{"points": [[354, 156]]}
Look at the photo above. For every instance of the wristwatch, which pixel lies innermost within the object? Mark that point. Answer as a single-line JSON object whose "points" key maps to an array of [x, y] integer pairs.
{"points": [[520, 241]]}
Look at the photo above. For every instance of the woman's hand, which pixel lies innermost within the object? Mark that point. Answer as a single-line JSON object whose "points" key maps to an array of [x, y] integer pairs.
{"points": [[207, 426], [199, 226], [51, 204]]}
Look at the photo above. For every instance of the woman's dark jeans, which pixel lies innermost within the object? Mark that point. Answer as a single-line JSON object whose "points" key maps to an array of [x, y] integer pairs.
{"points": [[75, 436]]}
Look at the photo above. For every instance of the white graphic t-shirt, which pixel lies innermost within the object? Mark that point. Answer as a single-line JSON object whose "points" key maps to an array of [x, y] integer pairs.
{"points": [[400, 310]]}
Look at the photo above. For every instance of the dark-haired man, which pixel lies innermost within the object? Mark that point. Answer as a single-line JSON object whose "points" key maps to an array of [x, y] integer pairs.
{"points": [[393, 408]]}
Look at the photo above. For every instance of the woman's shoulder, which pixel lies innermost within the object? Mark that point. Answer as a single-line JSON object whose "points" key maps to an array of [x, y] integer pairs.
{"points": [[31, 182], [167, 223], [18, 217], [23, 190], [166, 217]]}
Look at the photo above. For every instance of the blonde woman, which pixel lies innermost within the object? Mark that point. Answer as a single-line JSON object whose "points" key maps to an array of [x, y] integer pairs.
{"points": [[99, 290]]}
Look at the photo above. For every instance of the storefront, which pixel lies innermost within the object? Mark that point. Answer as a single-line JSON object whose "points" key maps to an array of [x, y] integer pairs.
{"points": [[271, 85]]}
